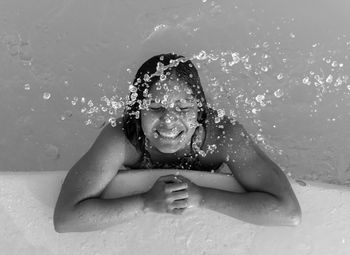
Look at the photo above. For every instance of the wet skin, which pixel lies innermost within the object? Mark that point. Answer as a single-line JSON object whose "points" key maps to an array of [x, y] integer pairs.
{"points": [[171, 117], [169, 124]]}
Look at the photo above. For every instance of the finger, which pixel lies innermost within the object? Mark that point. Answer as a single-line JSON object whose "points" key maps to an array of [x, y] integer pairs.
{"points": [[178, 195], [171, 187], [178, 204], [178, 211], [168, 179], [182, 178]]}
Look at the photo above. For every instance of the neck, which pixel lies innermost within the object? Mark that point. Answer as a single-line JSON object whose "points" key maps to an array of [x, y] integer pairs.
{"points": [[159, 156]]}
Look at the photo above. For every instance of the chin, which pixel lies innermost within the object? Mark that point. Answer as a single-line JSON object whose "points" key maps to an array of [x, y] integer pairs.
{"points": [[168, 149]]}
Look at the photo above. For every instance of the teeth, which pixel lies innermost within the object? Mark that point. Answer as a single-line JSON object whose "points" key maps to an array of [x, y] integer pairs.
{"points": [[169, 134]]}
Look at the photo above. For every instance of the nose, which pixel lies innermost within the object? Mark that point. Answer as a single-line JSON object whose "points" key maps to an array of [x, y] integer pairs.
{"points": [[169, 116]]}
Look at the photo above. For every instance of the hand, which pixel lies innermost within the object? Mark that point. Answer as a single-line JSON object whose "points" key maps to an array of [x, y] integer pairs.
{"points": [[194, 192], [168, 195]]}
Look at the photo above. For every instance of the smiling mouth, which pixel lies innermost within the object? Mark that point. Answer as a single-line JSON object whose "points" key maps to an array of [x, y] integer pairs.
{"points": [[169, 135]]}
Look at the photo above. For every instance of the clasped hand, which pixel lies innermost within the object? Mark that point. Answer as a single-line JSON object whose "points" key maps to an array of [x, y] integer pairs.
{"points": [[172, 194]]}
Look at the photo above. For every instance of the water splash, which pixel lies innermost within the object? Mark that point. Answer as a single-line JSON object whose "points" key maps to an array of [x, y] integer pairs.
{"points": [[46, 95], [27, 86]]}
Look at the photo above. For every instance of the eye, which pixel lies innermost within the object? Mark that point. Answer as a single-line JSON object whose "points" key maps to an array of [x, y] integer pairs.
{"points": [[155, 107], [183, 108]]}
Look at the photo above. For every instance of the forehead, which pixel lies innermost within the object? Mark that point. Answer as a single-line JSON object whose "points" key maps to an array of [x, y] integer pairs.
{"points": [[171, 88]]}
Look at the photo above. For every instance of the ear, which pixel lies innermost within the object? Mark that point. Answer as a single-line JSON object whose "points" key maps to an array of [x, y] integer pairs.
{"points": [[198, 138]]}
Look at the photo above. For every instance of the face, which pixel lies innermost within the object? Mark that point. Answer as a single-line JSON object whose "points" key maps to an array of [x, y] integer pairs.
{"points": [[171, 117]]}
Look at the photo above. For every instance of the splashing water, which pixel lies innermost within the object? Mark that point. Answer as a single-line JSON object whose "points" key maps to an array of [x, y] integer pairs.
{"points": [[46, 95]]}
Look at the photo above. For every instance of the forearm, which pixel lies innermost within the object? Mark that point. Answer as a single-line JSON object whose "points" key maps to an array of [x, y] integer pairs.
{"points": [[253, 207], [95, 213]]}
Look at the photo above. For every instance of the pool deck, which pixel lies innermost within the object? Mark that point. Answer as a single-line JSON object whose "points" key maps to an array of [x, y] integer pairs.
{"points": [[26, 210]]}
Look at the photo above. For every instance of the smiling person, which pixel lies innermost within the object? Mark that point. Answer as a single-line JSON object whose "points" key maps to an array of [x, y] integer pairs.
{"points": [[167, 124]]}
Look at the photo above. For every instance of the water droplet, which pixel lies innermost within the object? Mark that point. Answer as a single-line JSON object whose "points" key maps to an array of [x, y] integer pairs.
{"points": [[99, 122], [278, 93], [307, 81], [202, 55], [264, 68], [259, 137], [280, 76], [66, 115], [255, 110], [235, 59], [52, 151], [266, 45], [292, 35], [338, 82], [260, 98], [27, 86], [112, 121], [46, 95], [329, 79], [87, 122], [221, 113], [132, 88], [348, 87], [212, 148], [300, 182], [247, 66]]}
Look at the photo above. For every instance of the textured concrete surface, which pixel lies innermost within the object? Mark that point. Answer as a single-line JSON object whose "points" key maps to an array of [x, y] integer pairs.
{"points": [[26, 209]]}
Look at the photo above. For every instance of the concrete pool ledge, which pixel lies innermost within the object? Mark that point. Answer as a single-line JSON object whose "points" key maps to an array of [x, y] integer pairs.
{"points": [[28, 198]]}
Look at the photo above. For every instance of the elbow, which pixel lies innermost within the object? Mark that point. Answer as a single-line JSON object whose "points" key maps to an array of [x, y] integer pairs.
{"points": [[294, 216], [58, 228], [293, 220], [61, 222]]}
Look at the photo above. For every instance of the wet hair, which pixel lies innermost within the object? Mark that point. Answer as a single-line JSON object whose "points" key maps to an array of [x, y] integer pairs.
{"points": [[156, 69]]}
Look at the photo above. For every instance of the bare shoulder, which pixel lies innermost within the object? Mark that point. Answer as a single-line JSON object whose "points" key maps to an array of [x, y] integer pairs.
{"points": [[112, 145], [95, 169], [231, 137], [219, 130], [225, 132]]}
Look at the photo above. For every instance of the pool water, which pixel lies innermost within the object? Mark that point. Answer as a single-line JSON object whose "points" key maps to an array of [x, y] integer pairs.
{"points": [[281, 68]]}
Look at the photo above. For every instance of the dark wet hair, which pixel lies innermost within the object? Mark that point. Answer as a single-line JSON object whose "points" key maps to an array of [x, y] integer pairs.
{"points": [[153, 70]]}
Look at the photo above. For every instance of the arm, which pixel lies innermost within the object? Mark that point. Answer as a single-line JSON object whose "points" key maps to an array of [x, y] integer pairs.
{"points": [[79, 207], [269, 199], [254, 207]]}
